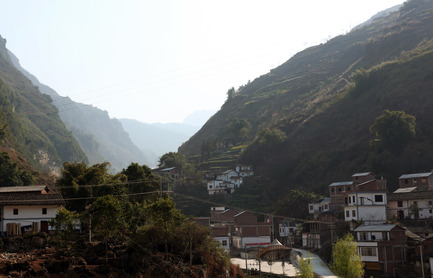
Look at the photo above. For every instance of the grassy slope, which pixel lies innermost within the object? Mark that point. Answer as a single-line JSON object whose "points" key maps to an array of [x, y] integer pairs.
{"points": [[327, 127]]}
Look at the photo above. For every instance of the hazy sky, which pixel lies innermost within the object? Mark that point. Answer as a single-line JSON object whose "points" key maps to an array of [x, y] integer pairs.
{"points": [[160, 60]]}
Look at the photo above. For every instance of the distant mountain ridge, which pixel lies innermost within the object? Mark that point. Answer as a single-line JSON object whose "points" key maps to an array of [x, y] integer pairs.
{"points": [[157, 139], [30, 124], [101, 138]]}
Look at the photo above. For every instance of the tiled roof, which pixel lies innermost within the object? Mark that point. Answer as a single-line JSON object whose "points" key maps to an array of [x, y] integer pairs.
{"points": [[30, 188], [168, 169], [405, 190], [341, 183], [416, 195], [418, 175], [30, 195], [361, 174]]}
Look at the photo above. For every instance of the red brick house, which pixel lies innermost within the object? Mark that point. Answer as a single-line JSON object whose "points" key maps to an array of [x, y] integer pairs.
{"points": [[249, 232], [423, 181], [382, 247]]}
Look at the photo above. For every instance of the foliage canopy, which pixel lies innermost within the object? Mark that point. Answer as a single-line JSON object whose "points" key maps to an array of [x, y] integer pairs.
{"points": [[346, 261]]}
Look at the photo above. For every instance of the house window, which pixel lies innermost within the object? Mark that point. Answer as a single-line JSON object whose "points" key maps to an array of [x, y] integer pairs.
{"points": [[353, 213], [345, 200], [332, 190], [406, 181], [378, 198], [430, 210], [399, 204], [384, 236], [368, 251], [44, 210], [363, 236], [348, 188], [311, 207], [347, 213], [15, 211], [210, 186], [326, 206], [339, 189], [429, 203], [224, 243], [423, 180], [353, 199]]}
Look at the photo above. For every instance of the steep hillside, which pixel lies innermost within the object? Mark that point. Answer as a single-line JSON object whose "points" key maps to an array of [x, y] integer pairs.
{"points": [[157, 139], [30, 122], [323, 115], [101, 138]]}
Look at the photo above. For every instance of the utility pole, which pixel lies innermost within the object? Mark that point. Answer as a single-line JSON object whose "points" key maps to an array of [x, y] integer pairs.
{"points": [[190, 252], [90, 228], [246, 259], [260, 263], [422, 259]]}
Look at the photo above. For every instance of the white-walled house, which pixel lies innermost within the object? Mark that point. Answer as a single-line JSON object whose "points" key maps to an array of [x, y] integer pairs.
{"points": [[370, 207], [227, 175], [214, 187], [221, 187], [245, 170], [410, 203], [27, 208], [319, 207], [228, 181]]}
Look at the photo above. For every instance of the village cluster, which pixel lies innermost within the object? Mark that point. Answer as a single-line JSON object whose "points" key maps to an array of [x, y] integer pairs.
{"points": [[390, 229]]}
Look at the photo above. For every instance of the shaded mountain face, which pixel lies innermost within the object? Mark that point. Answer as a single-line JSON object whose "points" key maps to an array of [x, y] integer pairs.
{"points": [[157, 139], [101, 138], [30, 124], [324, 113]]}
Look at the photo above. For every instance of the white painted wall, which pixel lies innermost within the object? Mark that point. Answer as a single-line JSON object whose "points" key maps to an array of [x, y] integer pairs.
{"points": [[221, 239], [27, 214], [241, 242]]}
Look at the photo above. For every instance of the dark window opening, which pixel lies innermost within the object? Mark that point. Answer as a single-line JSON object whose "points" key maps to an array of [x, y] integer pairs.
{"points": [[378, 198]]}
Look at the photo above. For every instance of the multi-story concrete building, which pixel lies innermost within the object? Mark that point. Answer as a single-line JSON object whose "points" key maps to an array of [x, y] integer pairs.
{"points": [[382, 247]]}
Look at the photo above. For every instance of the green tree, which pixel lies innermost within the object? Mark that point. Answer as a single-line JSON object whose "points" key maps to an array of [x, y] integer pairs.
{"points": [[239, 129], [231, 93], [11, 174], [394, 129], [272, 137], [293, 205], [107, 217], [141, 180], [166, 218], [64, 226], [305, 268], [346, 261], [77, 180], [172, 159]]}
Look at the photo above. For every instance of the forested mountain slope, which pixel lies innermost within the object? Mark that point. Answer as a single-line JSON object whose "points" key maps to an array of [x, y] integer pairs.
{"points": [[306, 123], [100, 137], [30, 125]]}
